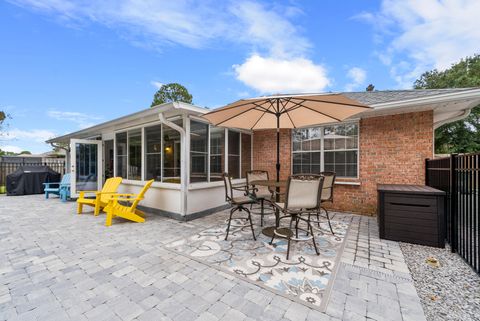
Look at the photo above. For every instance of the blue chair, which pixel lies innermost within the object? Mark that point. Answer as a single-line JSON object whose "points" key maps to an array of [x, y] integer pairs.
{"points": [[62, 189]]}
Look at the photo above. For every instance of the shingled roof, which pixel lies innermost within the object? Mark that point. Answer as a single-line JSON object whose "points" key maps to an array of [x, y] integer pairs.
{"points": [[385, 96]]}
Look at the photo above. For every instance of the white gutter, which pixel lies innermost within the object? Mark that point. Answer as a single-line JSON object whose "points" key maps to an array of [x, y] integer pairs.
{"points": [[466, 94], [183, 155]]}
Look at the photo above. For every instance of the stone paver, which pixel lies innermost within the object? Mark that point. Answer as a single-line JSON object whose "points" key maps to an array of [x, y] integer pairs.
{"points": [[57, 265]]}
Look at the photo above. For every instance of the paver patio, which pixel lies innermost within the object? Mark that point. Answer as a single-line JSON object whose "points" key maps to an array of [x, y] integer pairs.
{"points": [[56, 265]]}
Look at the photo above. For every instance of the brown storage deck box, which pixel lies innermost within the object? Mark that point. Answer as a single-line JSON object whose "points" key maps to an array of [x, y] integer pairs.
{"points": [[412, 214]]}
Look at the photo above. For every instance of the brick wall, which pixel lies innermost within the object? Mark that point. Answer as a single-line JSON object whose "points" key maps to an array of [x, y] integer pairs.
{"points": [[392, 150], [265, 152]]}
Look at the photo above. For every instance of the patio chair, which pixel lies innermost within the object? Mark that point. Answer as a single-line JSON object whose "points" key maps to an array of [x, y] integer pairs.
{"points": [[102, 197], [303, 196], [237, 203], [128, 212], [327, 194], [62, 188], [259, 193]]}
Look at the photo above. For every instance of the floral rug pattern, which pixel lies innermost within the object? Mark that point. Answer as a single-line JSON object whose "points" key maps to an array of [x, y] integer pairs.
{"points": [[304, 276]]}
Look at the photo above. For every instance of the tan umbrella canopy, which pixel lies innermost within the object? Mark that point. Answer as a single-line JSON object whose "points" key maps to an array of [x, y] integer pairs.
{"points": [[289, 111]]}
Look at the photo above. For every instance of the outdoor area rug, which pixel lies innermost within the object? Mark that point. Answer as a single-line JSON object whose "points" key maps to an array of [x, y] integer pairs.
{"points": [[305, 276]]}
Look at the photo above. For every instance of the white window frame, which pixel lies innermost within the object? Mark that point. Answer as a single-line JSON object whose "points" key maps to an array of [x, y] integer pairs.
{"points": [[322, 147], [190, 118]]}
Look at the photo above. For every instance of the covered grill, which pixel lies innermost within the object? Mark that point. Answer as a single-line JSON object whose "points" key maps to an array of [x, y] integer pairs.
{"points": [[28, 180]]}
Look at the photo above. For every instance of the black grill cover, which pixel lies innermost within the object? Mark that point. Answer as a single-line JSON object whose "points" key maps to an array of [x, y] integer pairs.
{"points": [[28, 180]]}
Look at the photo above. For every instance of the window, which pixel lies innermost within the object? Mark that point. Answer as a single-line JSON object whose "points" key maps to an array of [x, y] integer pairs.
{"points": [[134, 154], [153, 153], [341, 149], [217, 152], [121, 147], [234, 154], [162, 143], [329, 148], [198, 151]]}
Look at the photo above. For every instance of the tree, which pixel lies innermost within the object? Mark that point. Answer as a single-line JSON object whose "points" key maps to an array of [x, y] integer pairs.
{"points": [[25, 152], [171, 93], [462, 136]]}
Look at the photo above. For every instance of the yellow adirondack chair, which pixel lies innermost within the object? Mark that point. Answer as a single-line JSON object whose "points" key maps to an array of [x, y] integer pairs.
{"points": [[115, 209], [101, 197]]}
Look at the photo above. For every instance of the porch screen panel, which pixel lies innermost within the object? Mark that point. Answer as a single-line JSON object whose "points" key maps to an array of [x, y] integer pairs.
{"points": [[246, 154], [121, 148], [198, 151], [171, 154], [135, 154], [217, 153], [234, 154], [153, 149]]}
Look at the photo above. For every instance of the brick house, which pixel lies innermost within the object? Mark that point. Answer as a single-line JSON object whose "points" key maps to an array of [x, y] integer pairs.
{"points": [[185, 155]]}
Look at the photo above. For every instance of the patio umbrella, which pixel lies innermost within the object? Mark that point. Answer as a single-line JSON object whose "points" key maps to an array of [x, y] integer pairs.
{"points": [[285, 111]]}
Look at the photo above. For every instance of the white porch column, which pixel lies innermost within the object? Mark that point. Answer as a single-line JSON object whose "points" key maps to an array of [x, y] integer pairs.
{"points": [[183, 162]]}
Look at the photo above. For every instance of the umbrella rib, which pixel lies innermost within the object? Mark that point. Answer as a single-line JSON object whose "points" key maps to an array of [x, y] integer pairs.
{"points": [[263, 108], [251, 128], [290, 119], [285, 111], [236, 115], [284, 108], [296, 106]]}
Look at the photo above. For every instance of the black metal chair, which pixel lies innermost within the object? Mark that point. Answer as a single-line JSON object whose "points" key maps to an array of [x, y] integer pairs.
{"points": [[259, 193], [237, 203], [303, 196], [327, 194]]}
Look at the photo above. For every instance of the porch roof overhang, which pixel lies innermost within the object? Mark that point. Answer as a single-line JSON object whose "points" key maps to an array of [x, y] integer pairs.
{"points": [[144, 116]]}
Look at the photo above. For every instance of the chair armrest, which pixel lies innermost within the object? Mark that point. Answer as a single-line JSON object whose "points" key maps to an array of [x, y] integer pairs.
{"points": [[276, 193], [126, 198], [100, 192], [47, 185], [121, 194], [122, 197], [88, 192]]}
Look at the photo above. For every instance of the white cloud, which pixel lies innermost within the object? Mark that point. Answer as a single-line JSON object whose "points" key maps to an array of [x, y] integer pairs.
{"points": [[34, 135], [11, 148], [357, 78], [81, 119], [271, 75], [267, 30], [425, 34], [156, 84]]}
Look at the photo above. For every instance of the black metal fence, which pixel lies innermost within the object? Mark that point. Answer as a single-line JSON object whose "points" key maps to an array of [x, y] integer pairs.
{"points": [[458, 175], [10, 167]]}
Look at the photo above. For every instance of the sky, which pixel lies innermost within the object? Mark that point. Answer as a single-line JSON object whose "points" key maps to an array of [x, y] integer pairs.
{"points": [[67, 65]]}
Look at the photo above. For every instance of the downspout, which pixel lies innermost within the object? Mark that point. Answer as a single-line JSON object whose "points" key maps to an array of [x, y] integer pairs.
{"points": [[183, 155], [67, 155]]}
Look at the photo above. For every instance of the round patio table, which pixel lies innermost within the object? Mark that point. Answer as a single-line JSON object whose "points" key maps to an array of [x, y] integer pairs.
{"points": [[269, 231]]}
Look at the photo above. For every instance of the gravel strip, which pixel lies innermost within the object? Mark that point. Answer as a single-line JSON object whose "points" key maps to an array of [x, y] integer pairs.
{"points": [[448, 292]]}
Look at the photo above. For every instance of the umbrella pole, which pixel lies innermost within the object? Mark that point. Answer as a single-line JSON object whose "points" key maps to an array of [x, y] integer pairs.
{"points": [[277, 189], [278, 148]]}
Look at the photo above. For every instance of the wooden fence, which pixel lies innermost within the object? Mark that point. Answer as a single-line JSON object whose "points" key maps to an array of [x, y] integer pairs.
{"points": [[7, 168]]}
